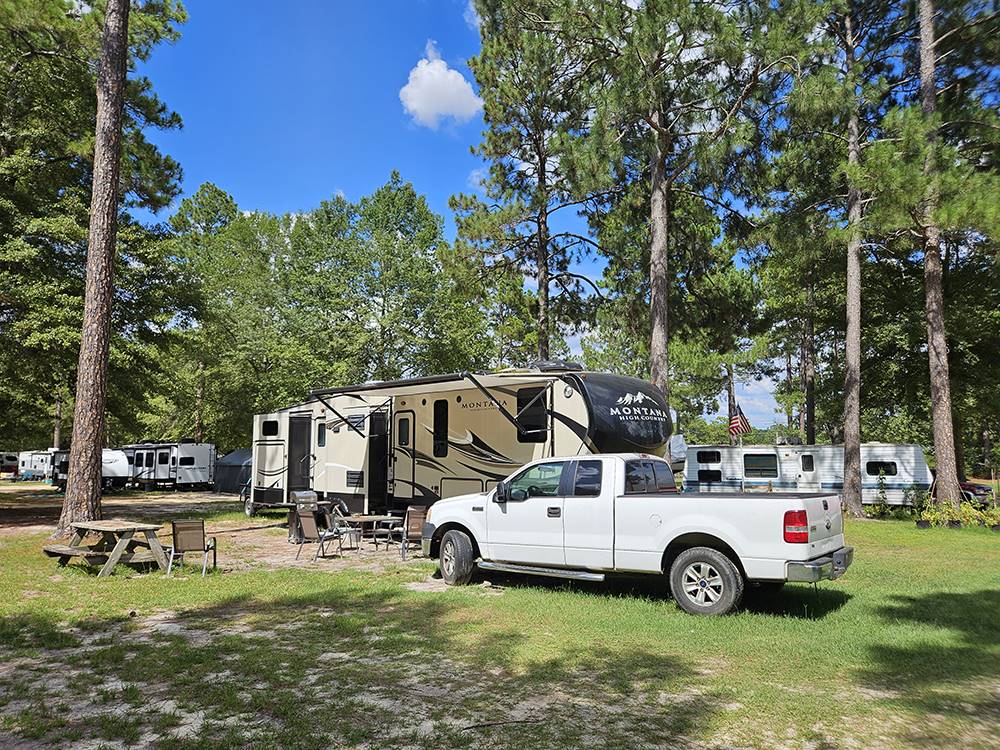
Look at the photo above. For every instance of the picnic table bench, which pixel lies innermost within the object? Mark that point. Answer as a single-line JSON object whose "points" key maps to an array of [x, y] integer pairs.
{"points": [[118, 543]]}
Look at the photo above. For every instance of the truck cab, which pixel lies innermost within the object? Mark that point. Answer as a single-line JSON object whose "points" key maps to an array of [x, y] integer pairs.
{"points": [[587, 516]]}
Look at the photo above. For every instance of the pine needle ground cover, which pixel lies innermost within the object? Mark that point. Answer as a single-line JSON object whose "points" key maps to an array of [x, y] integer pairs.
{"points": [[902, 652]]}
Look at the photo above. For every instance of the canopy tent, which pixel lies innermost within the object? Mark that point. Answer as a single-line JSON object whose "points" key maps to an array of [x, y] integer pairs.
{"points": [[232, 471]]}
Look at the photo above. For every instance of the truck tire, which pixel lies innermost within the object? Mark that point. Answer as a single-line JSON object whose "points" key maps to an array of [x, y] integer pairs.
{"points": [[705, 582], [457, 558]]}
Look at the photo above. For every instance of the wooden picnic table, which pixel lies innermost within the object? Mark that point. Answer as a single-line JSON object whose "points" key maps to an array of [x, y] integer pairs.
{"points": [[121, 541]]}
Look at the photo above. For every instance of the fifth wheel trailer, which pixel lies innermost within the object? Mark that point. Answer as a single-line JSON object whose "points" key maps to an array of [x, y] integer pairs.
{"points": [[382, 446]]}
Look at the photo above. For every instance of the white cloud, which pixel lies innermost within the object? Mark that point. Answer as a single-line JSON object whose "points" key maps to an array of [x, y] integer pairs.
{"points": [[471, 16], [435, 92], [476, 179]]}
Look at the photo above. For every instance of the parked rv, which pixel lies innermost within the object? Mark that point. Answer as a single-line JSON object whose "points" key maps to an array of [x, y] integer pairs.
{"points": [[184, 465], [35, 465], [384, 445], [115, 471], [899, 471], [8, 463]]}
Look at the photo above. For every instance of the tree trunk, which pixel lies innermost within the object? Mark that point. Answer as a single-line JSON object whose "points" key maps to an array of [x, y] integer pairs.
{"points": [[852, 344], [789, 389], [937, 345], [57, 422], [542, 265], [731, 399], [659, 280], [83, 489], [199, 402], [809, 372]]}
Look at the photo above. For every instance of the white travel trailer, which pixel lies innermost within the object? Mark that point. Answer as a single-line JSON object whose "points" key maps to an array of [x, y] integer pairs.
{"points": [[899, 470], [184, 465], [385, 445], [8, 463], [35, 465], [115, 471]]}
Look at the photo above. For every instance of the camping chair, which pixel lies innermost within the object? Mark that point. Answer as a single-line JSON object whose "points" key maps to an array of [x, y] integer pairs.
{"points": [[412, 530], [338, 523], [386, 532], [312, 533], [189, 536]]}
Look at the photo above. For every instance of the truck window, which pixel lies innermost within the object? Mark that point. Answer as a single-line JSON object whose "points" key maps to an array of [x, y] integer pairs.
{"points": [[532, 415], [441, 427], [664, 477], [541, 480], [709, 457], [760, 465], [587, 482], [807, 462], [639, 479], [886, 468]]}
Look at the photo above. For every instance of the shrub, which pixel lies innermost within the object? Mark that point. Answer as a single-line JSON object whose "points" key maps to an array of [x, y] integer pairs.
{"points": [[991, 516], [969, 514]]}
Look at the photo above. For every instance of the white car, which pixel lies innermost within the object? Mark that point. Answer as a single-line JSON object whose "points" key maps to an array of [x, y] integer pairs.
{"points": [[584, 517]]}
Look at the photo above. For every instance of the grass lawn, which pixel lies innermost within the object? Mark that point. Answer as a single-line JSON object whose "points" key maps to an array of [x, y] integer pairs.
{"points": [[904, 651]]}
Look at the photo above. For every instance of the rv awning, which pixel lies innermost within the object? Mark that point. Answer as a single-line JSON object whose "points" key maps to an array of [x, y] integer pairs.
{"points": [[438, 383]]}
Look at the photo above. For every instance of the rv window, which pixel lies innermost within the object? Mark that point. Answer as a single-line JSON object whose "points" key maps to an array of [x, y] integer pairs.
{"points": [[441, 427], [533, 417], [173, 460], [321, 434], [760, 465], [187, 461], [807, 462], [709, 457], [887, 468], [130, 459], [587, 482], [162, 458], [709, 475], [357, 421], [664, 477], [541, 480], [269, 427], [639, 478], [404, 431]]}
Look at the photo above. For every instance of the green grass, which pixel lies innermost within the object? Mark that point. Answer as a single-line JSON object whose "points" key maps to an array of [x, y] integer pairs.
{"points": [[904, 651]]}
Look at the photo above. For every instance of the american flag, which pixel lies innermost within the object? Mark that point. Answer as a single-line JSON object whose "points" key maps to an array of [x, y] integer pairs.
{"points": [[739, 424]]}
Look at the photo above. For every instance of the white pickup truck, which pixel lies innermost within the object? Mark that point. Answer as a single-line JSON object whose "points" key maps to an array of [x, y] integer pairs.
{"points": [[586, 516]]}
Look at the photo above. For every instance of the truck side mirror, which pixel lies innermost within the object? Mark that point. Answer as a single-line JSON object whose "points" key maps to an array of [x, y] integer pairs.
{"points": [[502, 494]]}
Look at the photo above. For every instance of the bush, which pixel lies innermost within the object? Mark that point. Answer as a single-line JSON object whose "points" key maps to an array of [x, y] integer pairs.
{"points": [[969, 514], [939, 515], [991, 516]]}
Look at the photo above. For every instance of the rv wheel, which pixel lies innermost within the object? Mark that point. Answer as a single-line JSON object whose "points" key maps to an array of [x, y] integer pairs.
{"points": [[249, 508], [456, 558]]}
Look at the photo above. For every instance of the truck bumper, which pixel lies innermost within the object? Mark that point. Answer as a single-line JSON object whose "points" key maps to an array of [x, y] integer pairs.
{"points": [[829, 567], [426, 535]]}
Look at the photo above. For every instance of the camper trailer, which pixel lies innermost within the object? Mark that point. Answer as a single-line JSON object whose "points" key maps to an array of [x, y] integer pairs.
{"points": [[35, 465], [384, 445], [115, 471], [8, 463], [899, 471], [184, 465]]}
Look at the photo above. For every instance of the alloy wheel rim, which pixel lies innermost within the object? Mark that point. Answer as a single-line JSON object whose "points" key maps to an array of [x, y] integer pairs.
{"points": [[448, 558], [702, 584]]}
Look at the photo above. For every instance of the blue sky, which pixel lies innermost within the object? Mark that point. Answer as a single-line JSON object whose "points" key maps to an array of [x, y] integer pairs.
{"points": [[287, 104]]}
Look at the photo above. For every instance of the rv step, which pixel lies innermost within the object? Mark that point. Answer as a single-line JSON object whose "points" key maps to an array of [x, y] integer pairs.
{"points": [[576, 575]]}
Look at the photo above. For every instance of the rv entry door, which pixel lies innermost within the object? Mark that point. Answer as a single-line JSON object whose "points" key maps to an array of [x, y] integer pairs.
{"points": [[402, 455], [808, 474], [300, 452]]}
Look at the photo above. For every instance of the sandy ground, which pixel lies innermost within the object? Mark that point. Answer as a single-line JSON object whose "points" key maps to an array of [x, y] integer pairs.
{"points": [[262, 541]]}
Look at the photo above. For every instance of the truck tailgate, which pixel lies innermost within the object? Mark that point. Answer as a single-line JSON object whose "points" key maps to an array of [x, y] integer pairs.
{"points": [[826, 524]]}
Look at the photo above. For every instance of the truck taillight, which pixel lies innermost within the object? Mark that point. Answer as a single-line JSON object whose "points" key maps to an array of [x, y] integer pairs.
{"points": [[796, 527]]}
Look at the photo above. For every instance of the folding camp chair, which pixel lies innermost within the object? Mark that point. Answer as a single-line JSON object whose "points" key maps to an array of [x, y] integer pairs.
{"points": [[312, 533], [413, 528], [339, 524], [189, 536]]}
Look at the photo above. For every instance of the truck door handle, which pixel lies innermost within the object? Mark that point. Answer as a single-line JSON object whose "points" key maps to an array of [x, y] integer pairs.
{"points": [[555, 512]]}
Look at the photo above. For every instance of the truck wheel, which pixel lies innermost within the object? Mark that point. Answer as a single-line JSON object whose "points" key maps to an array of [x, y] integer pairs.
{"points": [[456, 558], [705, 582]]}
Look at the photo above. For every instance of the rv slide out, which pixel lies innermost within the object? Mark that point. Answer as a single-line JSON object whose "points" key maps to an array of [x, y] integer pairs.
{"points": [[898, 471], [115, 470], [384, 445]]}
